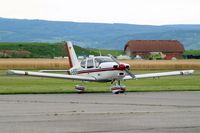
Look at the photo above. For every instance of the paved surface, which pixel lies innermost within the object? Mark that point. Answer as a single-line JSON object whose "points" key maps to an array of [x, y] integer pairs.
{"points": [[160, 112]]}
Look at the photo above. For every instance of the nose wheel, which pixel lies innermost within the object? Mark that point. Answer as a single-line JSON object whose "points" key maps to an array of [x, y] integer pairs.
{"points": [[79, 88], [118, 88]]}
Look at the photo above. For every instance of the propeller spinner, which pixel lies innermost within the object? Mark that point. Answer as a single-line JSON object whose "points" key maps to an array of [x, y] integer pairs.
{"points": [[120, 65]]}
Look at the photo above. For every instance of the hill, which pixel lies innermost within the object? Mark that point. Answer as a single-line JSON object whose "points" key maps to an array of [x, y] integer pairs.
{"points": [[46, 50], [95, 35]]}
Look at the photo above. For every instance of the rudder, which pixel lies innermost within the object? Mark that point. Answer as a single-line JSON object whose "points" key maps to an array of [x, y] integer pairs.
{"points": [[73, 60]]}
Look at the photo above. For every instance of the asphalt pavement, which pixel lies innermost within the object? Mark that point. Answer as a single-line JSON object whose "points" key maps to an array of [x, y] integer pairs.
{"points": [[150, 112]]}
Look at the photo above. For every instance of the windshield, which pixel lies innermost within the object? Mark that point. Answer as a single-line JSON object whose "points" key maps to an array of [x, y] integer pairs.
{"points": [[103, 59], [83, 63]]}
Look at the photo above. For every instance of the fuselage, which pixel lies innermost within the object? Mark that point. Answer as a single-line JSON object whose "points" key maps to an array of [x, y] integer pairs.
{"points": [[103, 68]]}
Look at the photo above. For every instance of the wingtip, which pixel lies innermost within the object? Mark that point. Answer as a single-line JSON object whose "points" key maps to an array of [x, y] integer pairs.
{"points": [[187, 72], [191, 71], [10, 72]]}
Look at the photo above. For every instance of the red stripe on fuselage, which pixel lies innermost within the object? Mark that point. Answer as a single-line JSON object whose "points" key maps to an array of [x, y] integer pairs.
{"points": [[69, 57], [98, 70]]}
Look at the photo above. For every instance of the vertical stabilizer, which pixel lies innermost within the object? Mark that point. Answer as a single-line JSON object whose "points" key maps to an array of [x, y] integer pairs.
{"points": [[73, 60]]}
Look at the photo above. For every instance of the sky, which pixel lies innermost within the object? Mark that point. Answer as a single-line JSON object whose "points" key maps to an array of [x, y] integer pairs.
{"points": [[150, 12]]}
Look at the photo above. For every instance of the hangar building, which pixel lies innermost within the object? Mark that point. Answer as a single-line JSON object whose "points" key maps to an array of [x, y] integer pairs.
{"points": [[144, 47]]}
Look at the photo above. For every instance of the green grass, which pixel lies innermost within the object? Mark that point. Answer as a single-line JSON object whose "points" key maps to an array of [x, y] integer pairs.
{"points": [[192, 52], [38, 50], [35, 85], [106, 52]]}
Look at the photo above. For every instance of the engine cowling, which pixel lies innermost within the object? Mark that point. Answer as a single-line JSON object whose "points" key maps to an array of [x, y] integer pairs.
{"points": [[121, 67]]}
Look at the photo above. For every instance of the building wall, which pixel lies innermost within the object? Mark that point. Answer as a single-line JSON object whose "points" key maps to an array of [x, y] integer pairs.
{"points": [[145, 54]]}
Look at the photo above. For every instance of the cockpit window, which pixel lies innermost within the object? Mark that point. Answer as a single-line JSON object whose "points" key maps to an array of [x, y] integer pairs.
{"points": [[90, 63], [94, 62], [83, 63], [103, 59]]}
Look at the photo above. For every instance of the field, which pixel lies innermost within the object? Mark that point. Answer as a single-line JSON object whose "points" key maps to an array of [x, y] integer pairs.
{"points": [[163, 64], [30, 85], [20, 84], [63, 64]]}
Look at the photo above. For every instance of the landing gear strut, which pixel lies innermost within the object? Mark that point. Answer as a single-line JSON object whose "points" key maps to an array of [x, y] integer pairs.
{"points": [[118, 88]]}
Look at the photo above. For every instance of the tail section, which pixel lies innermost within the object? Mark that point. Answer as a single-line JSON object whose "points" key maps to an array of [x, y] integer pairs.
{"points": [[73, 60]]}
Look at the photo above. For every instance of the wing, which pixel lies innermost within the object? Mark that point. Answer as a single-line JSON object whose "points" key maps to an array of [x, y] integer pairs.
{"points": [[47, 71], [162, 74], [51, 75]]}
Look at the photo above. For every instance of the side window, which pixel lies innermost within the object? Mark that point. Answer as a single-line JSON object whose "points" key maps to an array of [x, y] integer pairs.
{"points": [[90, 63], [96, 63], [83, 63]]}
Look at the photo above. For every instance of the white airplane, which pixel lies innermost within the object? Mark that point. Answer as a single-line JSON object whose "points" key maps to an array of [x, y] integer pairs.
{"points": [[97, 69]]}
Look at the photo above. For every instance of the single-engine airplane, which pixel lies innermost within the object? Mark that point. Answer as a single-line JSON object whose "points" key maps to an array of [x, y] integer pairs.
{"points": [[97, 69]]}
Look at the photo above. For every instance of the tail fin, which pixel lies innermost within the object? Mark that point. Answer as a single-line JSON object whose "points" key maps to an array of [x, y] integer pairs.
{"points": [[73, 60]]}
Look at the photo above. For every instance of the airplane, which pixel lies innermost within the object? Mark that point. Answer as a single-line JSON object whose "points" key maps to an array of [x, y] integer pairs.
{"points": [[97, 69]]}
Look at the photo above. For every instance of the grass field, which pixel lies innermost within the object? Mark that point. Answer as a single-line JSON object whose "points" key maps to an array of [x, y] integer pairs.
{"points": [[32, 85]]}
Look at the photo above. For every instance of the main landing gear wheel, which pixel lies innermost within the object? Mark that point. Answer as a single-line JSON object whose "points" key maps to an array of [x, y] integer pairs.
{"points": [[116, 89], [80, 88]]}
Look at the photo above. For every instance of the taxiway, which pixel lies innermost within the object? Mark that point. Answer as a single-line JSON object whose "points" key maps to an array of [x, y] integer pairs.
{"points": [[151, 112]]}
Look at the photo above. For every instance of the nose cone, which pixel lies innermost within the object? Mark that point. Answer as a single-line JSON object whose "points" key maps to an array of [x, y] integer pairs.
{"points": [[122, 67]]}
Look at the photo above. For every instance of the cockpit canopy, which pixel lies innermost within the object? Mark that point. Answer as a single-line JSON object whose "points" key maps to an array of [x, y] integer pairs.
{"points": [[94, 62]]}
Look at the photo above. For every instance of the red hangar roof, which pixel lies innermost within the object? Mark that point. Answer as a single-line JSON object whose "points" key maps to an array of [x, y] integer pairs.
{"points": [[154, 46]]}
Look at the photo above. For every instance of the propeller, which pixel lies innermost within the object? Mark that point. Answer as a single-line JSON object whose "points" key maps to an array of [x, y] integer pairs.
{"points": [[126, 69]]}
